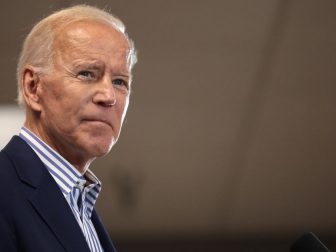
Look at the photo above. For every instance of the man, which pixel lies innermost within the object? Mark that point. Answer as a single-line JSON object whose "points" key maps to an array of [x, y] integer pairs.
{"points": [[74, 78]]}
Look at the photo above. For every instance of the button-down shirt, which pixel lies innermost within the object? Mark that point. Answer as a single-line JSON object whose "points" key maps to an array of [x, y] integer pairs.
{"points": [[80, 191]]}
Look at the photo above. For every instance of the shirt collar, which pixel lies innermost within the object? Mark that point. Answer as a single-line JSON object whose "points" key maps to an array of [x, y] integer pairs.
{"points": [[65, 174]]}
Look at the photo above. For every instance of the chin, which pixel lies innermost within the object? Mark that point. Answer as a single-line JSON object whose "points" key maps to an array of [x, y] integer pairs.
{"points": [[96, 141], [101, 148]]}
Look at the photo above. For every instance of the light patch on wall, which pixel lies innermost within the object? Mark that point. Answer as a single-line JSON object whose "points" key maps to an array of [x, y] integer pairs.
{"points": [[11, 120]]}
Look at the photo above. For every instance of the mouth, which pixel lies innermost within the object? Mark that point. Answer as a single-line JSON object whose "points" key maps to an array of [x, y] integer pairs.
{"points": [[97, 121]]}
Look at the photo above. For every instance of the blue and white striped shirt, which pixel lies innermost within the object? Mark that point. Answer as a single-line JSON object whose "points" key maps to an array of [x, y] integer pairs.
{"points": [[81, 192]]}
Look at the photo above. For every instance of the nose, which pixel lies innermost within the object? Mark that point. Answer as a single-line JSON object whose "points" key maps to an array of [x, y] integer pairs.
{"points": [[105, 94]]}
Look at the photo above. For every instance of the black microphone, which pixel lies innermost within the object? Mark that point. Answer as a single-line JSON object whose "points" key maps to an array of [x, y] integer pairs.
{"points": [[309, 242]]}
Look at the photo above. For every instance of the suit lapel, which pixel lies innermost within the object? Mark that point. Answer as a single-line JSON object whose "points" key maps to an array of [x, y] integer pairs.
{"points": [[45, 196], [102, 234], [50, 203]]}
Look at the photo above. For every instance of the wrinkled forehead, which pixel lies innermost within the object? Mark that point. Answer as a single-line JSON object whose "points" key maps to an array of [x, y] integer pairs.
{"points": [[85, 37]]}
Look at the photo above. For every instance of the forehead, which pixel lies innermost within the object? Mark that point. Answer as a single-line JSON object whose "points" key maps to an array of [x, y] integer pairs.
{"points": [[90, 38]]}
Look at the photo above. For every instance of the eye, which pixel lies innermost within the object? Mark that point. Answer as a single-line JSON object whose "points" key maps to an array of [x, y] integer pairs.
{"points": [[86, 75], [120, 82]]}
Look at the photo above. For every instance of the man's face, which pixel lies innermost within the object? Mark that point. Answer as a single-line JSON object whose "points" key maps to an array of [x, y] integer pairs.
{"points": [[85, 96]]}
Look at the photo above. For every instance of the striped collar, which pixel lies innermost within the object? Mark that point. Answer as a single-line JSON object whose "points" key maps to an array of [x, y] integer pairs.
{"points": [[66, 175]]}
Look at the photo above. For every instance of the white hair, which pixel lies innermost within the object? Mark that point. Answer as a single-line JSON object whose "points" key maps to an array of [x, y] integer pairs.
{"points": [[37, 50]]}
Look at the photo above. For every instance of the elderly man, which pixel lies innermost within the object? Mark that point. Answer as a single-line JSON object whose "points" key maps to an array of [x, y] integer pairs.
{"points": [[74, 78]]}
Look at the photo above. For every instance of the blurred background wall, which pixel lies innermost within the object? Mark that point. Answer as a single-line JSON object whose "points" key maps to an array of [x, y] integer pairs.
{"points": [[230, 140]]}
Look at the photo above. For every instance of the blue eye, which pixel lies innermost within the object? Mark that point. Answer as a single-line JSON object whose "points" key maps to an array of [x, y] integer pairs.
{"points": [[118, 82], [87, 75]]}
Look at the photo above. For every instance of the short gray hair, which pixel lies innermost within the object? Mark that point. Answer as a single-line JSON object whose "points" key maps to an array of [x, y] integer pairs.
{"points": [[37, 49]]}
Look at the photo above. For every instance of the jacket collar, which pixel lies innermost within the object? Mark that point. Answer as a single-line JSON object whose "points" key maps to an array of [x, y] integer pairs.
{"points": [[45, 195]]}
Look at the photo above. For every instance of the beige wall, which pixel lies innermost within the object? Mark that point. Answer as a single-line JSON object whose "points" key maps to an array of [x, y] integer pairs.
{"points": [[231, 128]]}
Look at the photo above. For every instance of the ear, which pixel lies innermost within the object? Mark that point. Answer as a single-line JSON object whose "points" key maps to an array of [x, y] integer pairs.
{"points": [[31, 85]]}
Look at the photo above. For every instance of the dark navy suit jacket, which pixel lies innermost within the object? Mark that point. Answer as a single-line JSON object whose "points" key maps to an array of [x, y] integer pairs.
{"points": [[34, 215]]}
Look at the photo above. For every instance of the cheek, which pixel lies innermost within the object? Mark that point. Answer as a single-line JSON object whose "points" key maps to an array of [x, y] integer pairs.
{"points": [[63, 105], [59, 121], [59, 113]]}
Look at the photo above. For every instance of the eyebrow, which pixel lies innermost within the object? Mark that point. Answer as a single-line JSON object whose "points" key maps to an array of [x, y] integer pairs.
{"points": [[91, 64], [124, 75], [97, 64]]}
